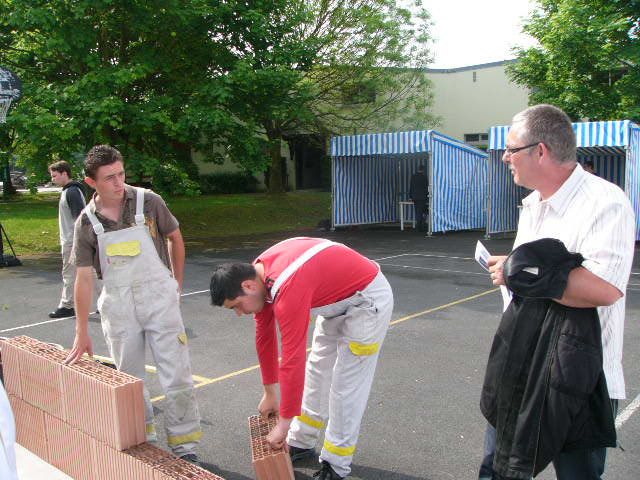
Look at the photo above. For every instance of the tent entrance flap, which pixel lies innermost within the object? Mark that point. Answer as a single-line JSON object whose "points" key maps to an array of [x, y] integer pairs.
{"points": [[367, 189]]}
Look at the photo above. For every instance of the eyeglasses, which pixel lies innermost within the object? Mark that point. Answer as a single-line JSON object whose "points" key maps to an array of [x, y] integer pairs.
{"points": [[510, 151]]}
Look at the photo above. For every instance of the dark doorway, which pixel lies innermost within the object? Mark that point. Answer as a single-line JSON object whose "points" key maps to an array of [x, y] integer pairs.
{"points": [[313, 169]]}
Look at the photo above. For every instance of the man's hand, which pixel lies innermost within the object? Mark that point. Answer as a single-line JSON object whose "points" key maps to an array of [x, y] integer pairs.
{"points": [[277, 437], [269, 404], [495, 263], [81, 345]]}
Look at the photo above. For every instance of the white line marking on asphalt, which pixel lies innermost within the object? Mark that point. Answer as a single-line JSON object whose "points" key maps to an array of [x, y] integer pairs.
{"points": [[392, 256], [440, 256], [35, 324], [434, 269], [67, 318], [194, 293], [627, 412]]}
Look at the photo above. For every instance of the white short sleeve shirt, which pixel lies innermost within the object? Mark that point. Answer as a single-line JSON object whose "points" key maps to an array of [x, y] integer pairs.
{"points": [[593, 217]]}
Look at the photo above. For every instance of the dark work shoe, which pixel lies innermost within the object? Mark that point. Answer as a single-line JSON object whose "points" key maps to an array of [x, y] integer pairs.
{"points": [[191, 458], [62, 312], [326, 472], [297, 453]]}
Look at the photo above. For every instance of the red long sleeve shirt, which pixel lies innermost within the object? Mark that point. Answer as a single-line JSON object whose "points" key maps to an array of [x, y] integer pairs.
{"points": [[331, 275]]}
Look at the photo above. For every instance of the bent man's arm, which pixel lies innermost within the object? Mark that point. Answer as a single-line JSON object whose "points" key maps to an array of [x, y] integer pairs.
{"points": [[587, 290], [83, 293], [176, 254]]}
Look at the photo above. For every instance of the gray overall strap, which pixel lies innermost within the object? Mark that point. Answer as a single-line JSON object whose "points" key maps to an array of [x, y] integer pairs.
{"points": [[139, 207], [98, 228], [297, 263]]}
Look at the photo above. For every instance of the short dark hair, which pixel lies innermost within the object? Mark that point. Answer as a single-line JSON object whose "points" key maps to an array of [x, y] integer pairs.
{"points": [[99, 156], [226, 281], [61, 167], [549, 125]]}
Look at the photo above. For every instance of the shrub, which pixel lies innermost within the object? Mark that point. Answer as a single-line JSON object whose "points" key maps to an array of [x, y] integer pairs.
{"points": [[228, 182]]}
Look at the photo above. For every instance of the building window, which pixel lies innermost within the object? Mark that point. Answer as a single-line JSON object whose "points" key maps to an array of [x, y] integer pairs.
{"points": [[479, 140]]}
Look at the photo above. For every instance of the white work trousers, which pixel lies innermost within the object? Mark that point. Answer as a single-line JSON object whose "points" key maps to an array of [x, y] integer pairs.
{"points": [[340, 369], [150, 311], [68, 277]]}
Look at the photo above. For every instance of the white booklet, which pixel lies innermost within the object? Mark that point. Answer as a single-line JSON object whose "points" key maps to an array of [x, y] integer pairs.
{"points": [[482, 255]]}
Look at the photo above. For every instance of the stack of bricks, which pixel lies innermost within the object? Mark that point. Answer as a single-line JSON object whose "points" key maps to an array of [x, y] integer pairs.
{"points": [[85, 419], [269, 463]]}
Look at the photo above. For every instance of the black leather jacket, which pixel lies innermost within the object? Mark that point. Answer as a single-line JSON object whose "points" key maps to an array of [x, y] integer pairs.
{"points": [[545, 391]]}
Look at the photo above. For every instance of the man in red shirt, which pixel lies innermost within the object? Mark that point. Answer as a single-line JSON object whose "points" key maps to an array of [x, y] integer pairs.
{"points": [[353, 303]]}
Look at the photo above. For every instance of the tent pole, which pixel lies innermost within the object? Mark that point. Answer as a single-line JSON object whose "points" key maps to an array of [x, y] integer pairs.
{"points": [[487, 234], [333, 193], [430, 192], [399, 187]]}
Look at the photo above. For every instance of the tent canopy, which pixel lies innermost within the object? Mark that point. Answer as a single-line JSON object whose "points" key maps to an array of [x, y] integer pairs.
{"points": [[613, 146], [606, 137], [394, 143], [371, 174]]}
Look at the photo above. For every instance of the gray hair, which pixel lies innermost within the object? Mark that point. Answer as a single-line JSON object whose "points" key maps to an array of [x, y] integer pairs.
{"points": [[549, 125]]}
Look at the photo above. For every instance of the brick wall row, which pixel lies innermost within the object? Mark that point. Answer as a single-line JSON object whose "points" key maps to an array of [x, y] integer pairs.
{"points": [[85, 419]]}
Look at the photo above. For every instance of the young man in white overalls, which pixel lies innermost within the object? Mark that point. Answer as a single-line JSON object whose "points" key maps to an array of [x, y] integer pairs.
{"points": [[123, 233], [353, 303]]}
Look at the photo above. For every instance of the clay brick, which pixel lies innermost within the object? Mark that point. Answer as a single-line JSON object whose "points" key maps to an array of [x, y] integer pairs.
{"points": [[268, 463], [30, 427], [40, 378], [111, 463], [11, 368], [120, 421], [181, 470], [70, 450]]}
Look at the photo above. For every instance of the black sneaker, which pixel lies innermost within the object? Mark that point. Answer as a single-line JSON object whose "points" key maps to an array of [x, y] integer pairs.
{"points": [[62, 312], [192, 458], [297, 453], [327, 473]]}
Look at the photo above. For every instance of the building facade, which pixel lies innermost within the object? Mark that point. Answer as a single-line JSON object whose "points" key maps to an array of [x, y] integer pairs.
{"points": [[470, 100]]}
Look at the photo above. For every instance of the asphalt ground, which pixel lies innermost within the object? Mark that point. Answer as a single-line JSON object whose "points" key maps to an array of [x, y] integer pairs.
{"points": [[422, 420]]}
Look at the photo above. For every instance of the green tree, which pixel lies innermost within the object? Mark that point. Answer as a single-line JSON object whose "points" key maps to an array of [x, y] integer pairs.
{"points": [[588, 58], [328, 66], [112, 71], [159, 78]]}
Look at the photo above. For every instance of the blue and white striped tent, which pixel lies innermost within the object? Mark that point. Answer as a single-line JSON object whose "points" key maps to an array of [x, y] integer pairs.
{"points": [[372, 173], [614, 148]]}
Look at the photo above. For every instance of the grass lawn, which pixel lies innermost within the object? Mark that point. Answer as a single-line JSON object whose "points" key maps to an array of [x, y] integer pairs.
{"points": [[32, 220]]}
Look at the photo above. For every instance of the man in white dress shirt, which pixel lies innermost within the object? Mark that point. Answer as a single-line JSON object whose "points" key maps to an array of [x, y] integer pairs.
{"points": [[590, 216]]}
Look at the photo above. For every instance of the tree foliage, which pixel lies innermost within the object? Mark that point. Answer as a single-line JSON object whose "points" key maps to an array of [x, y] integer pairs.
{"points": [[300, 65], [588, 58], [106, 71], [161, 78]]}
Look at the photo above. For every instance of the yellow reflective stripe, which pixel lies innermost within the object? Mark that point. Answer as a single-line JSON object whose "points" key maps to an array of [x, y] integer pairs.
{"points": [[363, 349], [180, 439], [130, 248], [151, 428], [340, 451], [310, 421]]}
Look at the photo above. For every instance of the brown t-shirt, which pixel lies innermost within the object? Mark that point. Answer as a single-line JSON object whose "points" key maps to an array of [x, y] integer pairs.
{"points": [[157, 217]]}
